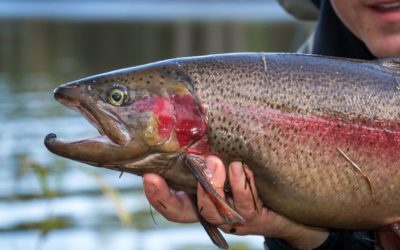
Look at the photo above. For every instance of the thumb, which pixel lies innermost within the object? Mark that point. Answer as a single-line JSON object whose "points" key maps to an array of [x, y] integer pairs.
{"points": [[217, 170]]}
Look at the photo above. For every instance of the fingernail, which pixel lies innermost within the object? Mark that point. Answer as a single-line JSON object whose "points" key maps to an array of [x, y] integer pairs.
{"points": [[237, 169], [150, 189]]}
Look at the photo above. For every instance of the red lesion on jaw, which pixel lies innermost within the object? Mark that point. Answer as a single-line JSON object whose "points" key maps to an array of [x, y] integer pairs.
{"points": [[178, 113], [190, 120], [161, 120], [164, 112]]}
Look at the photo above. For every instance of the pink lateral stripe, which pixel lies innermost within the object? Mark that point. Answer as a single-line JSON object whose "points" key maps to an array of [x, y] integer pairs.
{"points": [[380, 136]]}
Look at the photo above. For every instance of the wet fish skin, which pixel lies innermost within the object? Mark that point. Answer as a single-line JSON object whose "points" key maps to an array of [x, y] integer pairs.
{"points": [[287, 116]]}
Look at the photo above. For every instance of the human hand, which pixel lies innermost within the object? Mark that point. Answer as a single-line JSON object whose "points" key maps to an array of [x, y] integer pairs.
{"points": [[259, 220]]}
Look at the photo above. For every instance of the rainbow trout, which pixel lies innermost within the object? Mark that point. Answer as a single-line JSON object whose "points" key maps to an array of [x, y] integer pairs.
{"points": [[321, 134]]}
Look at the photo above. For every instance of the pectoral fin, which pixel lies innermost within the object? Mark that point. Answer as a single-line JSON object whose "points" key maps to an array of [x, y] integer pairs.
{"points": [[212, 231], [196, 164]]}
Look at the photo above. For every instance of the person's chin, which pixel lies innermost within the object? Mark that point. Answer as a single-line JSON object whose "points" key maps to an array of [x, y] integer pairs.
{"points": [[385, 47]]}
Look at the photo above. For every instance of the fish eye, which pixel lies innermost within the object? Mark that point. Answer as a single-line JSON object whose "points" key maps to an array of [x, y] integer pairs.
{"points": [[117, 96]]}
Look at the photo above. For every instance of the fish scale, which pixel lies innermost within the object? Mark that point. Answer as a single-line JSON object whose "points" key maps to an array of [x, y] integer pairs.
{"points": [[320, 134], [305, 176]]}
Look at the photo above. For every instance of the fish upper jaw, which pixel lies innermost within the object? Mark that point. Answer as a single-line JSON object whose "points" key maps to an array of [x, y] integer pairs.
{"points": [[114, 146], [74, 97]]}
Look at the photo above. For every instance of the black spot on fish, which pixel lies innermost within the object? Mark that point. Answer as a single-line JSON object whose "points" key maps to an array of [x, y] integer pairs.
{"points": [[238, 128]]}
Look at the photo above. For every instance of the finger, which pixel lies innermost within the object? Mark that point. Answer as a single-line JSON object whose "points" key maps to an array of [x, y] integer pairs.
{"points": [[174, 206], [261, 224], [206, 206], [244, 192]]}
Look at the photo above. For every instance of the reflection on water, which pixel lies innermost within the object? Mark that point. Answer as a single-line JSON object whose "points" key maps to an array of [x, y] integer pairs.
{"points": [[50, 203]]}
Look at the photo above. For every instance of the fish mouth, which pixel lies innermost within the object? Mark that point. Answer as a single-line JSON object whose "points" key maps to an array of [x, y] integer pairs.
{"points": [[108, 125], [114, 145], [74, 104]]}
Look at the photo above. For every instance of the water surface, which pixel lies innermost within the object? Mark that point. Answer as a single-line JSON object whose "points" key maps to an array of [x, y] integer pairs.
{"points": [[47, 202]]}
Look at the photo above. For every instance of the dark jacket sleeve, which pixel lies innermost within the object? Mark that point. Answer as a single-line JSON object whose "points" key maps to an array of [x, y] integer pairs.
{"points": [[337, 240]]}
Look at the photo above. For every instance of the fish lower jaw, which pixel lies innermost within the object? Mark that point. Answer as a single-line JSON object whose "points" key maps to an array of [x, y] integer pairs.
{"points": [[52, 138], [49, 138], [153, 161]]}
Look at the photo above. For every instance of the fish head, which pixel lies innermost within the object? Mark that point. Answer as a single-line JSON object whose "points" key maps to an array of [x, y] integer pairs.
{"points": [[145, 115]]}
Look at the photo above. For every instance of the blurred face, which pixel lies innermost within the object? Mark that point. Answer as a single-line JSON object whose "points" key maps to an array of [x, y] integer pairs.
{"points": [[375, 22]]}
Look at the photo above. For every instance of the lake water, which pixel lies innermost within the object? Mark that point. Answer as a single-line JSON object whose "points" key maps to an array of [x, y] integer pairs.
{"points": [[51, 203]]}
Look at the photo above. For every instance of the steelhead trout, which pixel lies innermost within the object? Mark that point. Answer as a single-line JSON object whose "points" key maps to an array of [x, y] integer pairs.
{"points": [[321, 134]]}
